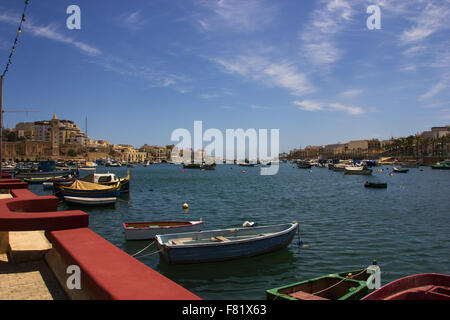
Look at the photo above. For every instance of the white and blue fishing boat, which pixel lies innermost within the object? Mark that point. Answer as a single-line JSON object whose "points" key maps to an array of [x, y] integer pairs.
{"points": [[224, 244]]}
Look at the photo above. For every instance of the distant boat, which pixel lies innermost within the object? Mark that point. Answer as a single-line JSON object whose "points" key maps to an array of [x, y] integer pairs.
{"points": [[339, 167], [192, 166], [377, 185], [426, 286], [89, 190], [112, 164], [224, 244], [88, 165], [52, 174], [245, 164], [148, 230], [304, 165], [398, 170], [357, 170], [38, 180], [350, 285], [444, 165], [211, 166], [90, 201]]}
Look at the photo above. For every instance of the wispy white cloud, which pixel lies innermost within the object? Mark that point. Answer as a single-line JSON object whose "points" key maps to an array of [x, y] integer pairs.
{"points": [[415, 50], [280, 74], [314, 106], [318, 43], [351, 93], [438, 87], [153, 77], [236, 15], [133, 21], [221, 93], [257, 107], [50, 32], [431, 19]]}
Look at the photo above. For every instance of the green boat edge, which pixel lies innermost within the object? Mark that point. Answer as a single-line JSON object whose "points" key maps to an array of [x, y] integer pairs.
{"points": [[355, 293]]}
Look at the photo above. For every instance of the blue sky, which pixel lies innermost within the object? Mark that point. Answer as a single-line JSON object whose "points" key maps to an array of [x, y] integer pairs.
{"points": [[312, 69]]}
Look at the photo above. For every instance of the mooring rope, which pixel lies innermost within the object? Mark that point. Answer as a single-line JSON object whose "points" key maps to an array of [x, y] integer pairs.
{"points": [[346, 278], [143, 249], [145, 255]]}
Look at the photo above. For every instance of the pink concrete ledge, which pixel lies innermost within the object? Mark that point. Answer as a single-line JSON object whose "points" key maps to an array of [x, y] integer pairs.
{"points": [[111, 274], [28, 212]]}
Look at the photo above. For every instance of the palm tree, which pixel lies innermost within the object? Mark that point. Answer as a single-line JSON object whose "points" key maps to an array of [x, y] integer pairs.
{"points": [[418, 141]]}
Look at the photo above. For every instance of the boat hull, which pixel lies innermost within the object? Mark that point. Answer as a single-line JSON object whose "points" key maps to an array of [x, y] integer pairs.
{"points": [[315, 289], [375, 185], [365, 172], [427, 286], [221, 251], [441, 167], [83, 201], [145, 233]]}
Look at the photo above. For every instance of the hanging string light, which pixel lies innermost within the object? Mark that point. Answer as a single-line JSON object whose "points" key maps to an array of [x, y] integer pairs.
{"points": [[19, 31]]}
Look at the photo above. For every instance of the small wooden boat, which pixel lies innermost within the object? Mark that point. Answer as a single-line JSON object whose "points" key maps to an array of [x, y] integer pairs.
{"points": [[304, 165], [53, 174], [211, 166], [426, 286], [148, 230], [357, 170], [339, 167], [398, 170], [248, 164], [109, 179], [351, 285], [192, 166], [224, 244], [444, 165], [38, 180], [90, 201], [378, 185], [89, 190]]}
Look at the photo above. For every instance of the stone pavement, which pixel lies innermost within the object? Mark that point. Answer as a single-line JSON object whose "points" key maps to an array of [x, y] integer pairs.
{"points": [[28, 280]]}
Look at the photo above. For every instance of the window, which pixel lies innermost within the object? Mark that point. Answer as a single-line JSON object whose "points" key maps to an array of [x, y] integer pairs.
{"points": [[104, 179]]}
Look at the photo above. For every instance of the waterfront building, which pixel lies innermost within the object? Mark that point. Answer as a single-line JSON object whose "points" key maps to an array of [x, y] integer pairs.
{"points": [[157, 153]]}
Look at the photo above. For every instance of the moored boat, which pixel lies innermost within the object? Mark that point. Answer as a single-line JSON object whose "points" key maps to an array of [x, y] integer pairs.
{"points": [[398, 170], [350, 285], [90, 201], [444, 165], [357, 170], [39, 180], [148, 230], [426, 286], [377, 185], [52, 174], [90, 190], [192, 166], [224, 244], [304, 165], [109, 179]]}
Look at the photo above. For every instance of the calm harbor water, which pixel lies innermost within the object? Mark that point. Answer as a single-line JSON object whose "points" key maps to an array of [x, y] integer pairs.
{"points": [[405, 227]]}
